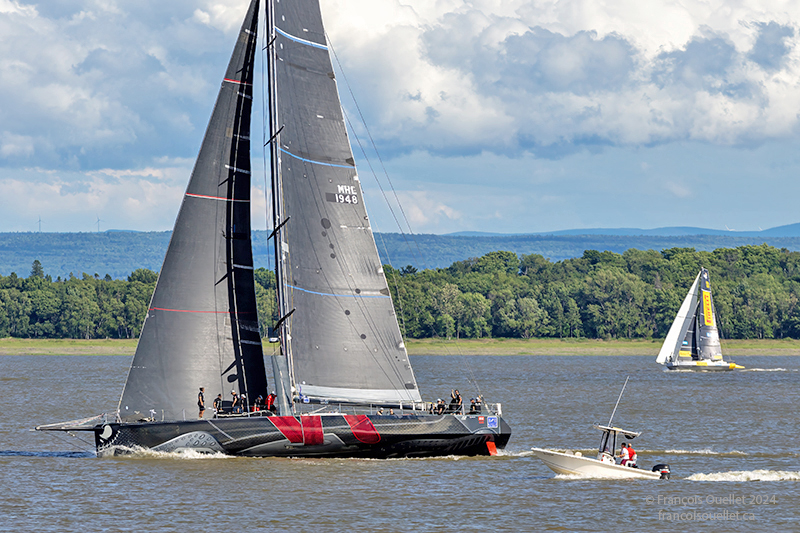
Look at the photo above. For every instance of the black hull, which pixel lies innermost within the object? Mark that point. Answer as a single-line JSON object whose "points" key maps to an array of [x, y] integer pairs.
{"points": [[363, 436]]}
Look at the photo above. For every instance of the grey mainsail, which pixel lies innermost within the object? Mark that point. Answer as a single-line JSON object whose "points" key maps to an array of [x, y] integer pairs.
{"points": [[342, 340], [201, 328], [708, 346]]}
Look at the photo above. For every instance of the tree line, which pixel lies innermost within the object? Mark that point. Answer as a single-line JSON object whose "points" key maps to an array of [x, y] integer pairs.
{"points": [[635, 294]]}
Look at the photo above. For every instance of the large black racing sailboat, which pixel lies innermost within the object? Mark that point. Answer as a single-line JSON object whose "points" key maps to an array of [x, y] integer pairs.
{"points": [[340, 360]]}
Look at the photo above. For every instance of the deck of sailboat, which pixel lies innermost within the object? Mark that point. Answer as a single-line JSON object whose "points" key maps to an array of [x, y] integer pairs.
{"points": [[703, 366]]}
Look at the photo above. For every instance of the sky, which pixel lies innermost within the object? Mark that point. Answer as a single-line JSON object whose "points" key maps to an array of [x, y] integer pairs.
{"points": [[505, 116]]}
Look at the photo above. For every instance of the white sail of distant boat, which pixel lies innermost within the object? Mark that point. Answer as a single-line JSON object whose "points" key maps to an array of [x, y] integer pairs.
{"points": [[692, 342]]}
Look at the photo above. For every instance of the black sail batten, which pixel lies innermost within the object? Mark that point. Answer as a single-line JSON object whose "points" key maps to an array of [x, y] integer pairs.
{"points": [[201, 328], [343, 342]]}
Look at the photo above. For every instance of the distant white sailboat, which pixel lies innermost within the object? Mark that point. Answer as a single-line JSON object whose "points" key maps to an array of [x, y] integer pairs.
{"points": [[692, 342]]}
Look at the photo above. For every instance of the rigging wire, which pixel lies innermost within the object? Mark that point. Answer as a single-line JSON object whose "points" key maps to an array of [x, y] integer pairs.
{"points": [[464, 359], [380, 160]]}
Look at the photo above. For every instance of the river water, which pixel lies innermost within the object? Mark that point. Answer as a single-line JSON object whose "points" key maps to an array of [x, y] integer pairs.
{"points": [[731, 439]]}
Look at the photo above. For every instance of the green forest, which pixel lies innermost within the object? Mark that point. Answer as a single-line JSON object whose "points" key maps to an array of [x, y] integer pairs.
{"points": [[598, 295]]}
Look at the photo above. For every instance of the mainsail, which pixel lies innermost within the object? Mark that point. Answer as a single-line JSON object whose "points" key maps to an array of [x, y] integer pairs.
{"points": [[342, 340], [201, 328], [694, 332], [708, 346]]}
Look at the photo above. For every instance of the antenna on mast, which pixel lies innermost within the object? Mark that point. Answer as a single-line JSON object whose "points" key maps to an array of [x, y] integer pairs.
{"points": [[617, 404]]}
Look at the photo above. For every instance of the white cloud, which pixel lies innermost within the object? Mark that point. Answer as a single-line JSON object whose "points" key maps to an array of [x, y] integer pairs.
{"points": [[110, 99]]}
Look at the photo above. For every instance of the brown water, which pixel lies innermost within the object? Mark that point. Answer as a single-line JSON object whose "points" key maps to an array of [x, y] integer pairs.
{"points": [[726, 436]]}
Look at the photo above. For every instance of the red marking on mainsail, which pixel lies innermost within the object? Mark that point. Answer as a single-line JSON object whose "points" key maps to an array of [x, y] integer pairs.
{"points": [[291, 428], [362, 429], [215, 198], [236, 81], [312, 429]]}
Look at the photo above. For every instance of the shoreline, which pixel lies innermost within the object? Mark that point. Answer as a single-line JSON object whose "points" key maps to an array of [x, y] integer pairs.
{"points": [[498, 347]]}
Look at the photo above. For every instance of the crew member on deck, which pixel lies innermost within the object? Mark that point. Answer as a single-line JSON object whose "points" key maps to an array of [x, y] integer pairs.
{"points": [[270, 405], [218, 405], [201, 402], [440, 407], [236, 407], [455, 402], [473, 409]]}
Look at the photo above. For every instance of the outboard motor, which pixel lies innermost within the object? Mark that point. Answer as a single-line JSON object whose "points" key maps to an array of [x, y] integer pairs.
{"points": [[663, 469]]}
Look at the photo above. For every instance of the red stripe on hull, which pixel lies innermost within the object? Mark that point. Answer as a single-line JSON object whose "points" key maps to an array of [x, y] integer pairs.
{"points": [[289, 426], [363, 429], [312, 430]]}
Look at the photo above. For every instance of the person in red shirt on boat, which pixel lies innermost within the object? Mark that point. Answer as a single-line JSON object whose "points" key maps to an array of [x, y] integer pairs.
{"points": [[631, 457], [269, 405]]}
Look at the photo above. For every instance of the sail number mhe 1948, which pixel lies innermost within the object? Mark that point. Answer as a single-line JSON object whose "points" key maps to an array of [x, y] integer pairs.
{"points": [[346, 194]]}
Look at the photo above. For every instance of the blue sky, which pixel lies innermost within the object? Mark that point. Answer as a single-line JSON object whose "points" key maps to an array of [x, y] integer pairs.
{"points": [[489, 115]]}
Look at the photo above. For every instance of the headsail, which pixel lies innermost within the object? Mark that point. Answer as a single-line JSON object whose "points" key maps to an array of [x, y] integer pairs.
{"points": [[681, 324], [201, 329], [343, 341]]}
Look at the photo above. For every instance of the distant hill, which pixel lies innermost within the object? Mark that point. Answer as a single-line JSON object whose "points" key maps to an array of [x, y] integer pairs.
{"points": [[790, 230], [118, 253]]}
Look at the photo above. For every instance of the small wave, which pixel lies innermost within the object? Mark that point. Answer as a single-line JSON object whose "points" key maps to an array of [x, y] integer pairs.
{"points": [[73, 455], [506, 453], [750, 475], [732, 453], [140, 453], [765, 370]]}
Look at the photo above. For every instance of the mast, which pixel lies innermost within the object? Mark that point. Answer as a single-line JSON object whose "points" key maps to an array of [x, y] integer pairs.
{"points": [[280, 363]]}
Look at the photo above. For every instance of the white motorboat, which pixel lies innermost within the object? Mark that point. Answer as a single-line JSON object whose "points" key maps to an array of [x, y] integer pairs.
{"points": [[604, 465]]}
